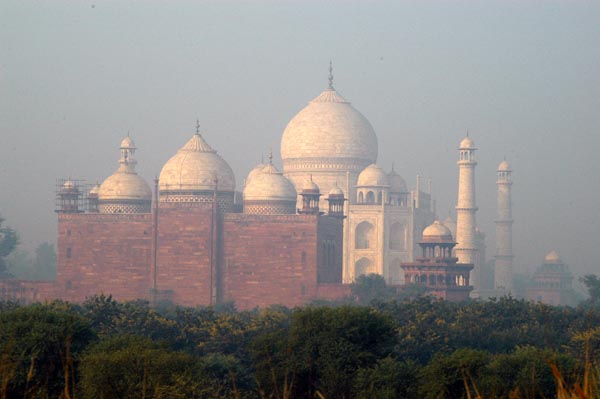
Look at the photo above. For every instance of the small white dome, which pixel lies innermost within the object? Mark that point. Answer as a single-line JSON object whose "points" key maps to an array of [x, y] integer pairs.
{"points": [[194, 168], [127, 142], [94, 191], [255, 171], [270, 185], [310, 185], [124, 184], [397, 183], [373, 176], [336, 191], [504, 167], [68, 185], [436, 232], [552, 257], [467, 144]]}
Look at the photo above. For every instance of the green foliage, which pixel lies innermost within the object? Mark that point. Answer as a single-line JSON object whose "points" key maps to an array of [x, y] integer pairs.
{"points": [[40, 346], [328, 346], [388, 379], [424, 348], [8, 242], [369, 288], [136, 367], [592, 283]]}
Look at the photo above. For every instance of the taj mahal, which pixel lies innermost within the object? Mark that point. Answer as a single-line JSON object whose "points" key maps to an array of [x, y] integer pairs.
{"points": [[290, 235]]}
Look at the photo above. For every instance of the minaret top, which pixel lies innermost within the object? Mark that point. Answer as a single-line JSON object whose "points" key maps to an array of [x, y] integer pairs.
{"points": [[504, 167], [467, 144]]}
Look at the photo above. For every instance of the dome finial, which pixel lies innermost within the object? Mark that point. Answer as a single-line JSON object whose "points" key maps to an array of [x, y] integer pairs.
{"points": [[330, 76], [270, 156], [197, 126], [393, 168]]}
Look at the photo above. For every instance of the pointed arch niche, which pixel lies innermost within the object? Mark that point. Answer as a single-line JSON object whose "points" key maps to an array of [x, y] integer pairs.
{"points": [[364, 236]]}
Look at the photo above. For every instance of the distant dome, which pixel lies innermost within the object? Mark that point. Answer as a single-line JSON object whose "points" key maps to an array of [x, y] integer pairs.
{"points": [[504, 167], [124, 191], [127, 142], [329, 128], [194, 168], [68, 185], [310, 185], [437, 232], [94, 191], [124, 184], [371, 176], [336, 191], [270, 185], [467, 144], [552, 257], [269, 193], [255, 171], [397, 183]]}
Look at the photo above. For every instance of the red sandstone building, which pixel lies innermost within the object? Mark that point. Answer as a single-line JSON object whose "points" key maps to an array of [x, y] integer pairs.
{"points": [[552, 283], [437, 269]]}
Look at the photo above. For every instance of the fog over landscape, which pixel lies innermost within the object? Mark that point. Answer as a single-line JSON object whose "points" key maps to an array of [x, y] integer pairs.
{"points": [[521, 77]]}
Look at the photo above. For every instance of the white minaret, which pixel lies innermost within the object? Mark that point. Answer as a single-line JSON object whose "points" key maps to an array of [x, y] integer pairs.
{"points": [[504, 255], [466, 249]]}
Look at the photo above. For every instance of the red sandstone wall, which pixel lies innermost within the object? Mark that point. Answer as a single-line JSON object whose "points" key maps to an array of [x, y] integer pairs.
{"points": [[184, 246], [269, 259], [102, 253], [25, 291]]}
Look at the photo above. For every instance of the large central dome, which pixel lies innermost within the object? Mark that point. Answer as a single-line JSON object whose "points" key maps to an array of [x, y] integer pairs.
{"points": [[328, 130]]}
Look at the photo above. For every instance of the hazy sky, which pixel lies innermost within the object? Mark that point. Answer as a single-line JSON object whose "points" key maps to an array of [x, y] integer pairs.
{"points": [[522, 77]]}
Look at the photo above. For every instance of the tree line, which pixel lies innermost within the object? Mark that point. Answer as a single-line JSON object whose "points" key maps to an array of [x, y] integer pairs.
{"points": [[390, 347]]}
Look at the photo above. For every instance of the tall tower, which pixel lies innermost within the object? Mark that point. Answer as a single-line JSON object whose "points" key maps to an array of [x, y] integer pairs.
{"points": [[466, 249], [504, 255]]}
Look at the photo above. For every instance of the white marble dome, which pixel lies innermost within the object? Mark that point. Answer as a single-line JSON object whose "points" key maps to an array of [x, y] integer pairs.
{"points": [[437, 232], [255, 171], [329, 127], [124, 184], [194, 168], [269, 185], [373, 176], [397, 182]]}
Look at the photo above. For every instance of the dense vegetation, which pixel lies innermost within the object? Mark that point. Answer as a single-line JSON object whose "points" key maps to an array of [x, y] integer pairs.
{"points": [[410, 348]]}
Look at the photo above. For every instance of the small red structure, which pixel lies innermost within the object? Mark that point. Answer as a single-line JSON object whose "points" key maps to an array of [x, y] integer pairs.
{"points": [[437, 269]]}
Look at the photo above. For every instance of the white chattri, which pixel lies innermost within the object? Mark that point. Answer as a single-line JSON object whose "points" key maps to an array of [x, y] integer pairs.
{"points": [[437, 230], [373, 176]]}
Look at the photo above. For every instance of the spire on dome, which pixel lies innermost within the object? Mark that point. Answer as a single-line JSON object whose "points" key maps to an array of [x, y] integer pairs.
{"points": [[197, 126], [331, 76], [270, 156]]}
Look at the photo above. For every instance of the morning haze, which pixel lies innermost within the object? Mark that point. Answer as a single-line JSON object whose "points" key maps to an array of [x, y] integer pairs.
{"points": [[521, 77]]}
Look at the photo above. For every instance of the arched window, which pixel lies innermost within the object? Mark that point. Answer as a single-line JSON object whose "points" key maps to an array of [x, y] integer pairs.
{"points": [[361, 198], [370, 197], [363, 235], [363, 266]]}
